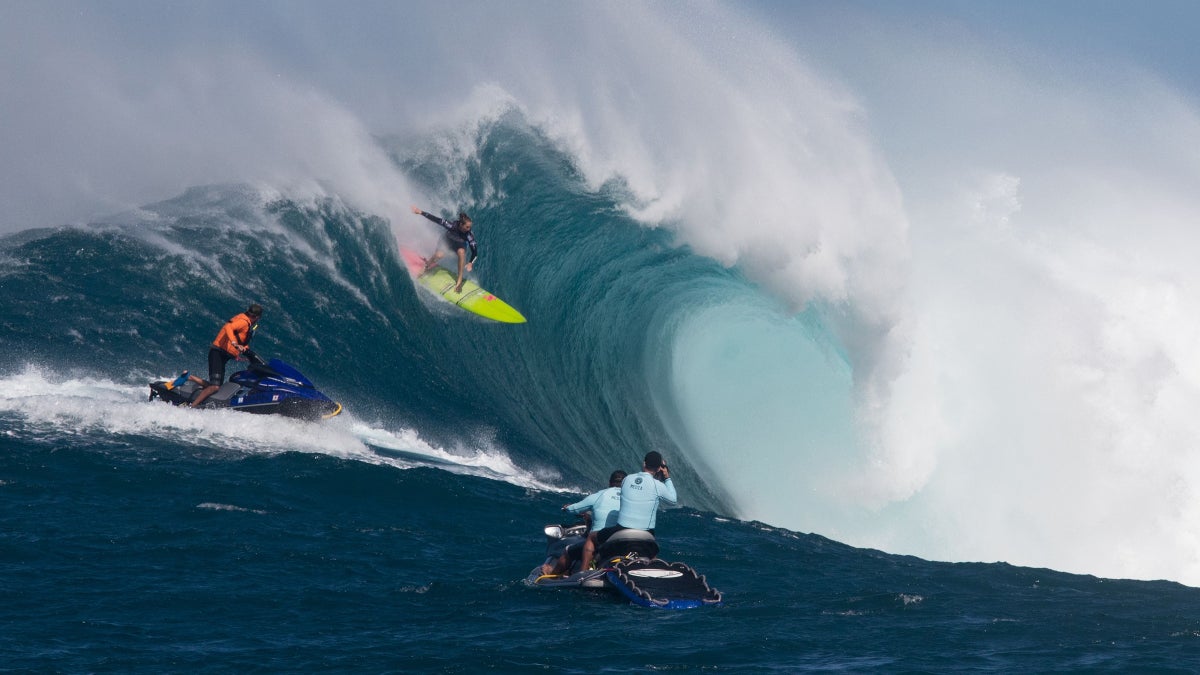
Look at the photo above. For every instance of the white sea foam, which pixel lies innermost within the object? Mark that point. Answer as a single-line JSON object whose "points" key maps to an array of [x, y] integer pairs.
{"points": [[80, 406], [211, 506], [1041, 415]]}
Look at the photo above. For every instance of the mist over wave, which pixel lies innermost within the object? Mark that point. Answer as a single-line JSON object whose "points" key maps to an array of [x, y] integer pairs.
{"points": [[923, 291]]}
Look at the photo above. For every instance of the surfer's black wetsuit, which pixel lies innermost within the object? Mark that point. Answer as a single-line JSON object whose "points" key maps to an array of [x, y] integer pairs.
{"points": [[454, 237]]}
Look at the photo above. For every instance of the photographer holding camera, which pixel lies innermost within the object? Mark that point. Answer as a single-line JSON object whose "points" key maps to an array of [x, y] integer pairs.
{"points": [[640, 494]]}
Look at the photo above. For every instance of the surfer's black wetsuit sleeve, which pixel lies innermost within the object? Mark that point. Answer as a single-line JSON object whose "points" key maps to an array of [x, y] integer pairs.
{"points": [[439, 220], [474, 249]]}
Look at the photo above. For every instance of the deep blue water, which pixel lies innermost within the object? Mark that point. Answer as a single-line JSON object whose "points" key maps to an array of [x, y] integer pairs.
{"points": [[135, 537], [122, 554]]}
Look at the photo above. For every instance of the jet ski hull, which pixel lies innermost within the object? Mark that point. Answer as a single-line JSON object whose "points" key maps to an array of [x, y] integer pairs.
{"points": [[628, 566], [265, 388]]}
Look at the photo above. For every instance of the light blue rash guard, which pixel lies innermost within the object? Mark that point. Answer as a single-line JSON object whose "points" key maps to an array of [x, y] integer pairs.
{"points": [[640, 495], [604, 505]]}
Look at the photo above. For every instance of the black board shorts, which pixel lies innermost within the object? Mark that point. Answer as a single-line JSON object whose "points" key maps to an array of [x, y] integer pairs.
{"points": [[603, 535], [217, 358]]}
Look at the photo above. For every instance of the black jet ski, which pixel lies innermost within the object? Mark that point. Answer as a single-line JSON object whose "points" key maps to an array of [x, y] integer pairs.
{"points": [[264, 387], [627, 563]]}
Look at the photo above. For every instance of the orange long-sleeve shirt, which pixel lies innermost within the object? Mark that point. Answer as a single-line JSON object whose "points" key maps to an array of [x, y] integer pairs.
{"points": [[236, 330]]}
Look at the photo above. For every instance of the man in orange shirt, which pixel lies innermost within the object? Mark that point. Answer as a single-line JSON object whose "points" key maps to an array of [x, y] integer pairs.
{"points": [[233, 339]]}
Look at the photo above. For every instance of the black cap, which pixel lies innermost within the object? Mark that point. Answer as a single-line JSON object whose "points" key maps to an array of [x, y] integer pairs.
{"points": [[653, 460]]}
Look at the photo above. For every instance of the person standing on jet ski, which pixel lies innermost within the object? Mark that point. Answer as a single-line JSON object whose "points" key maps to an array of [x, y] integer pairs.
{"points": [[640, 494], [458, 238], [602, 507], [230, 343]]}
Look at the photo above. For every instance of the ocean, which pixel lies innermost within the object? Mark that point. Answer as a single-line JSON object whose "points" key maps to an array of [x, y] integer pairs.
{"points": [[127, 552], [137, 537], [904, 293]]}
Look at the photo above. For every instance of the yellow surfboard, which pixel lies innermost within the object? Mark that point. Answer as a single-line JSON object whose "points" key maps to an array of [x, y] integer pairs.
{"points": [[472, 298]]}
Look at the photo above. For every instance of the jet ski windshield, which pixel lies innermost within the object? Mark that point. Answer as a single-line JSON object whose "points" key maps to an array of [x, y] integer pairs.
{"points": [[284, 371], [278, 370]]}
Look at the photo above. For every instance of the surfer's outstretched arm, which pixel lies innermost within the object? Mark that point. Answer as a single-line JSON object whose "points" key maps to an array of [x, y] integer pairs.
{"points": [[437, 219]]}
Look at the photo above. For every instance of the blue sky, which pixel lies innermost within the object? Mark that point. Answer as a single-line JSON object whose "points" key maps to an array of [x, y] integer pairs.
{"points": [[1160, 35]]}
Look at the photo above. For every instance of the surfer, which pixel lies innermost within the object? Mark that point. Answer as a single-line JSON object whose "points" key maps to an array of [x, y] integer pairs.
{"points": [[599, 507], [230, 343], [640, 494], [458, 238]]}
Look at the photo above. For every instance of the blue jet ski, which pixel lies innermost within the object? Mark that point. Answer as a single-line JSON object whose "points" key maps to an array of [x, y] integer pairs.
{"points": [[628, 564], [264, 387]]}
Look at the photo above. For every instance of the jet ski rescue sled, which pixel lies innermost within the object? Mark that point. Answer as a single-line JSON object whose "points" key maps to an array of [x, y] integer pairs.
{"points": [[628, 564], [264, 387]]}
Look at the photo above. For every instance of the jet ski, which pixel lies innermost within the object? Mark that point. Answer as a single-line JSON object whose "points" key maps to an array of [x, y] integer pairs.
{"points": [[627, 564], [264, 387]]}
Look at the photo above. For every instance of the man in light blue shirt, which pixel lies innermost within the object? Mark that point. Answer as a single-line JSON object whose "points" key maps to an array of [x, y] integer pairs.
{"points": [[640, 494], [601, 508]]}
